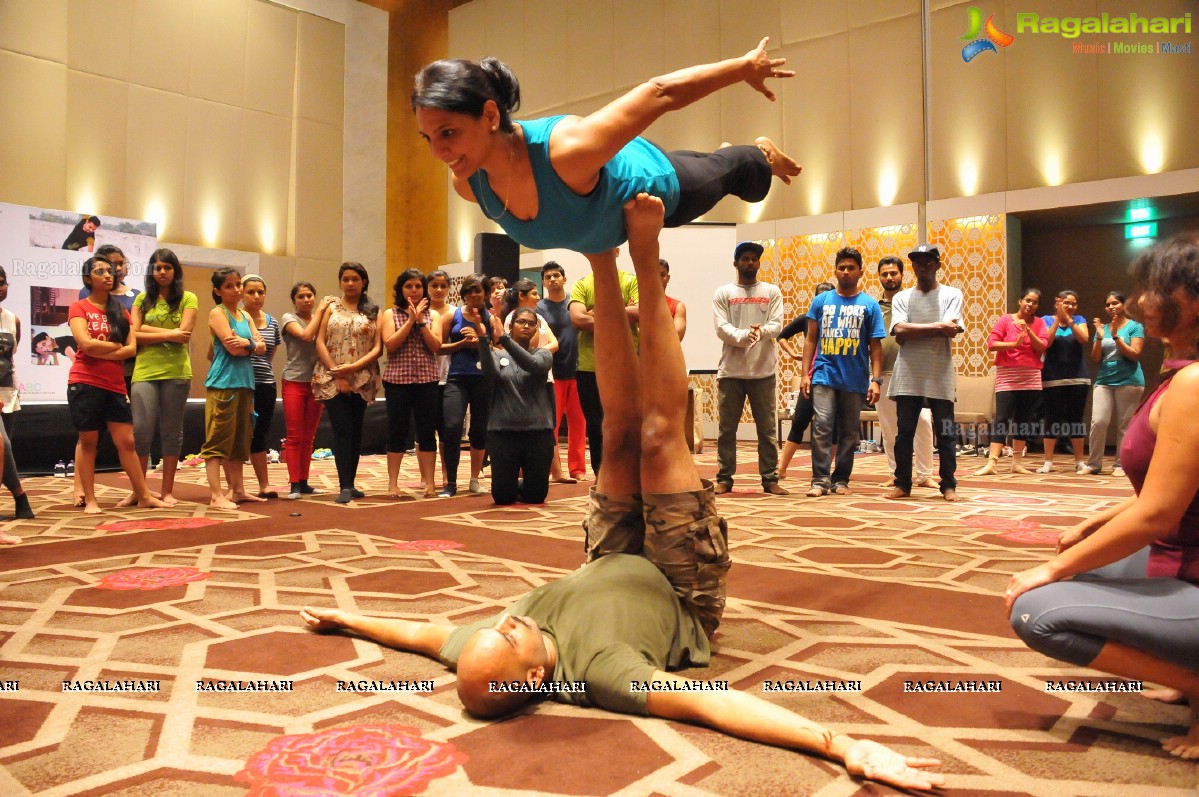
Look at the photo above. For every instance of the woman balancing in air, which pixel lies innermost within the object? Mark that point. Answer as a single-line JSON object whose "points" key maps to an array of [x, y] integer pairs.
{"points": [[562, 181]]}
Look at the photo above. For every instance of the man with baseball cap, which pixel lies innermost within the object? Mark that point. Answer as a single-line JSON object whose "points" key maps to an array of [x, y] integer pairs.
{"points": [[749, 315], [925, 320]]}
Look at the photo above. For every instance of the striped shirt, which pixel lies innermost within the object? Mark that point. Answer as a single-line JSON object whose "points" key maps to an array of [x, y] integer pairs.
{"points": [[264, 372]]}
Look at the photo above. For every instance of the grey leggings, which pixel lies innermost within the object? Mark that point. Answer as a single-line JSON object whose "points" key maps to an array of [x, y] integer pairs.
{"points": [[1072, 620], [1104, 400], [158, 405]]}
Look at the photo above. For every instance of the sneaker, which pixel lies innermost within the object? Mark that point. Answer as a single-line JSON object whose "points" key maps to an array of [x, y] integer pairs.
{"points": [[475, 488], [1118, 472], [344, 497], [1083, 469], [272, 457], [1046, 468], [356, 493], [71, 469], [449, 491], [294, 495], [60, 469]]}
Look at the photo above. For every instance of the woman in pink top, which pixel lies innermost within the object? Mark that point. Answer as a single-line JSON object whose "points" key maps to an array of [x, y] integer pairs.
{"points": [[1018, 340], [1122, 594]]}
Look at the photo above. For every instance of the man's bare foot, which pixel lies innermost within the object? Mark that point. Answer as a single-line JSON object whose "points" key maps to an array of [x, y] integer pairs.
{"points": [[221, 502], [889, 482], [150, 502], [815, 492], [91, 508], [169, 500], [9, 539], [950, 495], [782, 165], [242, 498], [927, 482], [1165, 695], [560, 479], [1185, 746], [896, 494], [322, 619], [128, 500]]}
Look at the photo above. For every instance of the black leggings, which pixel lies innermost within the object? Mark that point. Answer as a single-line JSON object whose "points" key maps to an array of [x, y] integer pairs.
{"points": [[1065, 406], [516, 454], [346, 412], [1017, 413], [265, 394], [461, 392], [705, 178], [593, 414], [412, 409]]}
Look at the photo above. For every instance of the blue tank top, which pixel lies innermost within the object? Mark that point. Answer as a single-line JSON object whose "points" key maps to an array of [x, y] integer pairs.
{"points": [[228, 372], [565, 220], [463, 362]]}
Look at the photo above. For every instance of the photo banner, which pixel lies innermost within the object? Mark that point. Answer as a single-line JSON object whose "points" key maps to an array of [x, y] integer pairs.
{"points": [[43, 252]]}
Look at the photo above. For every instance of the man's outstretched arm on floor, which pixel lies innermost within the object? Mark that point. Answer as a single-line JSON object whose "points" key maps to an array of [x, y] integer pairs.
{"points": [[416, 636], [746, 716]]}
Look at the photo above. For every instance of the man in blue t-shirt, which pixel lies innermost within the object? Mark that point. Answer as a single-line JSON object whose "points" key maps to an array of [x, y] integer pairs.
{"points": [[842, 367]]}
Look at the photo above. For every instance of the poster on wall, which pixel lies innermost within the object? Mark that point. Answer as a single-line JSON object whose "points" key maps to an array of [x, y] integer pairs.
{"points": [[42, 252]]}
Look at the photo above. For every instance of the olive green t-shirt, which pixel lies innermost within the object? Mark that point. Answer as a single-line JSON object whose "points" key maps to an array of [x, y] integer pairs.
{"points": [[163, 360], [615, 621]]}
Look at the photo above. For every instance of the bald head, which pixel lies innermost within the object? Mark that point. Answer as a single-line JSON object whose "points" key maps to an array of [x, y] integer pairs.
{"points": [[513, 651]]}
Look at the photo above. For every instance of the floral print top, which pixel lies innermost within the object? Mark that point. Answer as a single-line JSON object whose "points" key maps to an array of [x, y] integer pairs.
{"points": [[348, 336]]}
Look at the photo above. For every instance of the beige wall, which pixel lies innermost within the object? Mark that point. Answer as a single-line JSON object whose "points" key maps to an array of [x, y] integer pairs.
{"points": [[223, 120], [1035, 114]]}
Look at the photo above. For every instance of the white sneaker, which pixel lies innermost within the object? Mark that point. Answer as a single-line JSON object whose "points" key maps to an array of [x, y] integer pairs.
{"points": [[475, 488], [1083, 469], [1046, 468], [1118, 472]]}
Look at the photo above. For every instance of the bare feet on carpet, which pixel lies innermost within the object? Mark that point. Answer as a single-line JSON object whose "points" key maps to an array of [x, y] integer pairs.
{"points": [[243, 497], [1165, 695], [896, 494], [951, 496], [1186, 746], [9, 539], [127, 501], [221, 503]]}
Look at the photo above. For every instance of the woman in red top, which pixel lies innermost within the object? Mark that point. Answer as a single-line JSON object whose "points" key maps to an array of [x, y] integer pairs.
{"points": [[1018, 340], [96, 384]]}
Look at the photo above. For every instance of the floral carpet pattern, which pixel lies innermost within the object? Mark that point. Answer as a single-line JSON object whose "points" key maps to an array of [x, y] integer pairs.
{"points": [[141, 657]]}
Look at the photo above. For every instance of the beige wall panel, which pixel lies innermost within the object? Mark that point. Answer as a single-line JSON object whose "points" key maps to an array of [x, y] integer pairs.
{"points": [[543, 78], [1051, 136], [212, 178], [33, 137], [265, 175], [742, 25], [467, 32], [1147, 115], [321, 68], [814, 100], [279, 273], [217, 39], [34, 27], [744, 115], [589, 70], [801, 21], [694, 35], [155, 162], [271, 36], [504, 35], [641, 39], [886, 122], [364, 165], [96, 152], [98, 36], [323, 276], [161, 56], [162, 51], [318, 191], [969, 114], [868, 12], [695, 127]]}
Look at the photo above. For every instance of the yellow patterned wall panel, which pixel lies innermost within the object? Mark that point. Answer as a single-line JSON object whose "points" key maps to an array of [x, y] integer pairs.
{"points": [[974, 254]]}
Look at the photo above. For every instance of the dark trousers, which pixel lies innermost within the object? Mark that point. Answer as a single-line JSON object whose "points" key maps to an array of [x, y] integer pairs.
{"points": [[346, 411], [412, 413], [593, 413], [705, 178], [516, 454], [907, 415], [265, 394], [462, 392]]}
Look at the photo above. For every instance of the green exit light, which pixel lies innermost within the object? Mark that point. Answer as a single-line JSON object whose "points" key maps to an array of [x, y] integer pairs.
{"points": [[1139, 214], [1134, 231]]}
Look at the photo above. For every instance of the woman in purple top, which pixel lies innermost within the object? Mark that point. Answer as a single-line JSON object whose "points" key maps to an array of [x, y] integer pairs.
{"points": [[1122, 594]]}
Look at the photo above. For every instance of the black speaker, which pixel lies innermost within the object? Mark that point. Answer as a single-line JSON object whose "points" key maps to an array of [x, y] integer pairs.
{"points": [[497, 255]]}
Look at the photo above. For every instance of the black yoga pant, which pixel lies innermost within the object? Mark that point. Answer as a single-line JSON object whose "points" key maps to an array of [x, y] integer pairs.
{"points": [[412, 409], [346, 412], [705, 178], [520, 454]]}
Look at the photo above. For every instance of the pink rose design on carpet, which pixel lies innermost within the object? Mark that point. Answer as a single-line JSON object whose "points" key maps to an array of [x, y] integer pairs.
{"points": [[365, 760], [428, 545], [159, 524], [152, 578]]}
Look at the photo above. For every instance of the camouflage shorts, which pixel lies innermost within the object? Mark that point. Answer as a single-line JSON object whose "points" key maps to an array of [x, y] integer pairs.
{"points": [[679, 532]]}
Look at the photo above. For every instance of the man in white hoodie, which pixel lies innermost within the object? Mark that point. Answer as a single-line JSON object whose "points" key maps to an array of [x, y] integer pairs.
{"points": [[749, 315]]}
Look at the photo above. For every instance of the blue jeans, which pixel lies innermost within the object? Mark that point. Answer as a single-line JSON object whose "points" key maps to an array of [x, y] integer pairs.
{"points": [[838, 410]]}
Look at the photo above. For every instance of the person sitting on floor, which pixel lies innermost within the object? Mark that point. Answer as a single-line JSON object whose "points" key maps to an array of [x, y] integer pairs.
{"points": [[653, 590]]}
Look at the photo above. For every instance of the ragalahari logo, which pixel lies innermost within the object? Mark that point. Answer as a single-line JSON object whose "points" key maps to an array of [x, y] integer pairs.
{"points": [[994, 36]]}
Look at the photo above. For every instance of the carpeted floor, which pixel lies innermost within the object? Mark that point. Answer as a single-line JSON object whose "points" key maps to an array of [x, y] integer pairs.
{"points": [[844, 589]]}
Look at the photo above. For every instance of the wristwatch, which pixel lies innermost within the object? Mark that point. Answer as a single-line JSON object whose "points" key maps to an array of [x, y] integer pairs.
{"points": [[878, 380]]}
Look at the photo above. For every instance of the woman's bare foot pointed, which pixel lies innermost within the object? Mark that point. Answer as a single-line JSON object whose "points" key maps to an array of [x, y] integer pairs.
{"points": [[782, 165], [150, 502]]}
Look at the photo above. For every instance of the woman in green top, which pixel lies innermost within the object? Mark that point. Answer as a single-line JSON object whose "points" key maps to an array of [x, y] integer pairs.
{"points": [[163, 319], [1119, 382]]}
